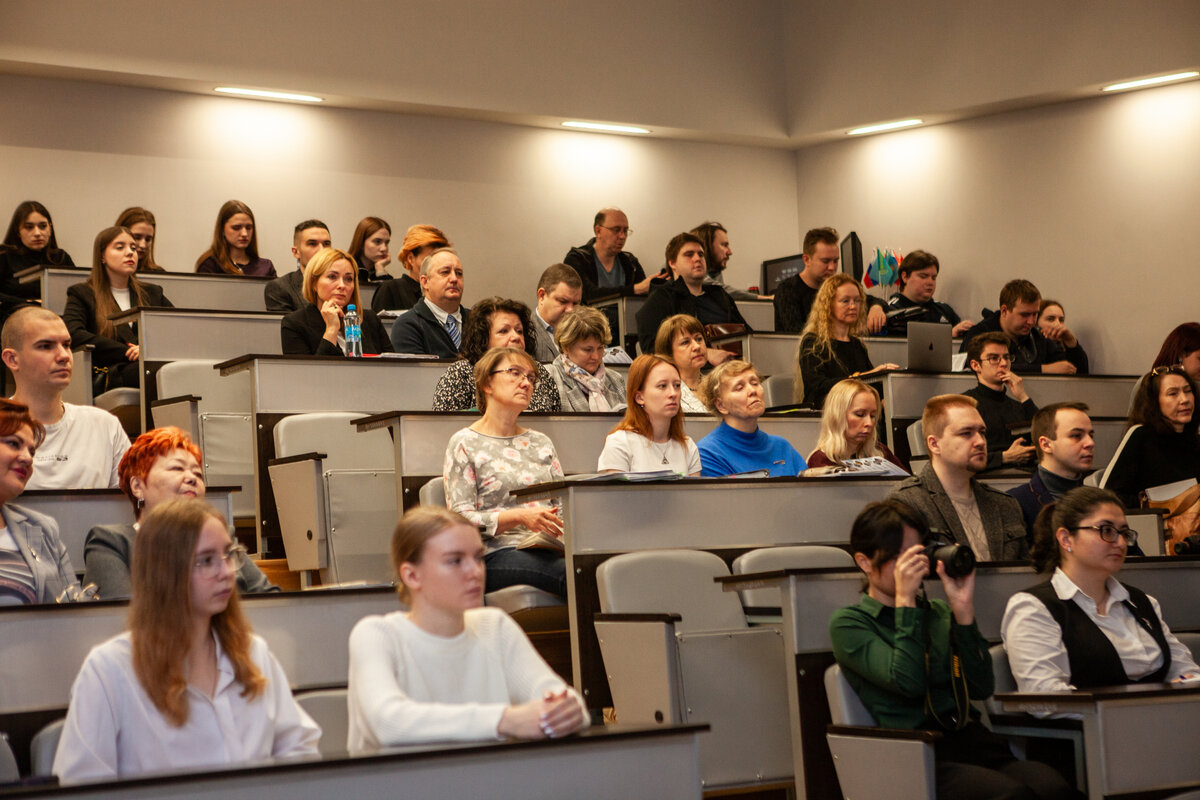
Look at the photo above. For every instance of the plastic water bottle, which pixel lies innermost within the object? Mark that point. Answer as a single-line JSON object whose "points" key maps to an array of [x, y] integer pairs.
{"points": [[353, 333]]}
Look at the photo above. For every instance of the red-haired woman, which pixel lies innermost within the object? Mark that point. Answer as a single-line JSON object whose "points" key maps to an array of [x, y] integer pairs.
{"points": [[369, 246], [405, 291], [161, 465], [189, 685], [651, 437], [234, 249]]}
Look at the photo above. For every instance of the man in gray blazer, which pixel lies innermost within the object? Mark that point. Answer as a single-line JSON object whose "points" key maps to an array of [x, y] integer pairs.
{"points": [[946, 492], [559, 290]]}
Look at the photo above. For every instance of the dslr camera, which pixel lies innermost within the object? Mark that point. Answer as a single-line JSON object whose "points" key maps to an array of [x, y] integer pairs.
{"points": [[959, 559]]}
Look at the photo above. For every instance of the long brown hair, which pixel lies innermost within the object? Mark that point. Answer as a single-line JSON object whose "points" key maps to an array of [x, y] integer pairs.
{"points": [[163, 559], [106, 304], [134, 216], [366, 228], [219, 251], [635, 416]]}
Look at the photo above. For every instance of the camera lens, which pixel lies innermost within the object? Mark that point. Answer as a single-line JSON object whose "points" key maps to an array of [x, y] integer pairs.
{"points": [[959, 560]]}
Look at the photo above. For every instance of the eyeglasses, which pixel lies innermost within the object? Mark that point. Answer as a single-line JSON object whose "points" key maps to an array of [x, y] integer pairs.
{"points": [[618, 230], [998, 359], [849, 301], [209, 565], [519, 375], [1109, 533]]}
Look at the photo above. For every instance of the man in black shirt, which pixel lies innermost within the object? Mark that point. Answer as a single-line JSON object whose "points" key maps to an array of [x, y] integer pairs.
{"points": [[602, 262], [1032, 350], [989, 358], [286, 293], [794, 297]]}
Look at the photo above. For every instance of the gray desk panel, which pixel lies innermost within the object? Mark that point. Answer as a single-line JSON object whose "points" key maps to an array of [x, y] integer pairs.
{"points": [[169, 335], [759, 314], [42, 648], [627, 308], [1106, 396], [292, 386], [775, 353]]}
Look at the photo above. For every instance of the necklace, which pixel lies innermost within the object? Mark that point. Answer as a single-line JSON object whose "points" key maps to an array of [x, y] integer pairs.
{"points": [[663, 451]]}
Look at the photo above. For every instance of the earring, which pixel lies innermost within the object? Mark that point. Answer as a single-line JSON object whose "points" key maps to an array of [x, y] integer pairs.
{"points": [[1069, 550], [141, 502]]}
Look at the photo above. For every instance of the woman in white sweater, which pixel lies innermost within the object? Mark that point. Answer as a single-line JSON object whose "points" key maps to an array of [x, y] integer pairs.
{"points": [[449, 669]]}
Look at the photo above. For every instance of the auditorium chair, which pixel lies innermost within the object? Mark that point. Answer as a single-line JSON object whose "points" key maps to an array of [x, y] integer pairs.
{"points": [[872, 761], [777, 391], [44, 746], [335, 492], [126, 405], [328, 709], [1100, 476], [677, 649], [215, 412], [8, 763], [770, 559]]}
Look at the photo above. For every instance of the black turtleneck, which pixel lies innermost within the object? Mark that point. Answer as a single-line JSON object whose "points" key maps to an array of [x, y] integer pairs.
{"points": [[999, 411]]}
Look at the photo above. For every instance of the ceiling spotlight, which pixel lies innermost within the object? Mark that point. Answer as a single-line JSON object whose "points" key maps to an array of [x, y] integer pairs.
{"points": [[886, 126], [1178, 76], [599, 126], [299, 98]]}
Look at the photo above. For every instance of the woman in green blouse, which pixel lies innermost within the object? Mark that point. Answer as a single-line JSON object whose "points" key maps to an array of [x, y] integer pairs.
{"points": [[882, 643]]}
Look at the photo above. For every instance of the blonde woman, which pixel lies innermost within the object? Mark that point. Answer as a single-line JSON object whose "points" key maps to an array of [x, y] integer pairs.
{"points": [[848, 426], [830, 346], [578, 370], [733, 391]]}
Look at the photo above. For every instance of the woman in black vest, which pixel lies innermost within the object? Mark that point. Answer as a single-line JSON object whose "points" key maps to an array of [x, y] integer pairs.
{"points": [[1082, 627]]}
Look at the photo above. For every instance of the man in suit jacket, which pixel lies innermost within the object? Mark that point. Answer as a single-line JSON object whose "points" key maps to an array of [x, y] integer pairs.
{"points": [[434, 326], [946, 492], [559, 291], [286, 293]]}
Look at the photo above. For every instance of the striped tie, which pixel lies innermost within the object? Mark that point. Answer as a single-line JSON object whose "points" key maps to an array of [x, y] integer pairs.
{"points": [[452, 329]]}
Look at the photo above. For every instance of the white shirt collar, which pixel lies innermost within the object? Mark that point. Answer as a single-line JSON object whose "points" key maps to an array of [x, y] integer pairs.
{"points": [[442, 315], [542, 322], [1065, 588]]}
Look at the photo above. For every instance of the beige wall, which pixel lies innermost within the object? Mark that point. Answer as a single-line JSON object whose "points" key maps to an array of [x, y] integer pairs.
{"points": [[1095, 201], [514, 199]]}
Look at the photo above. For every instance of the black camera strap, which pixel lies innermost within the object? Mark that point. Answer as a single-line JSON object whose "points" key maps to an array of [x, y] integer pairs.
{"points": [[958, 680]]}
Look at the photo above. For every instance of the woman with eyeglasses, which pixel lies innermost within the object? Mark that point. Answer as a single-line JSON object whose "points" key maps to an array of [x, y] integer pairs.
{"points": [[1182, 348], [1162, 445], [161, 465], [189, 685], [831, 348], [488, 460], [1082, 627], [493, 322]]}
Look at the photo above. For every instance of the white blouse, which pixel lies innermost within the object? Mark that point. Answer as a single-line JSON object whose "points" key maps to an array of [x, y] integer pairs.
{"points": [[628, 451], [689, 402], [113, 729]]}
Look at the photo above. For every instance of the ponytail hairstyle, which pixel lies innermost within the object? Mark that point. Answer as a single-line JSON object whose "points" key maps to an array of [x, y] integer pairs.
{"points": [[1066, 512]]}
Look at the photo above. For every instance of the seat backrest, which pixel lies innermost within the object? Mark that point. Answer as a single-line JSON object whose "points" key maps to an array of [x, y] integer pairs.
{"points": [[844, 706], [916, 439], [328, 709], [9, 773], [768, 559], [1103, 482], [1191, 641], [433, 493], [331, 433], [777, 390], [670, 582], [217, 393], [44, 746]]}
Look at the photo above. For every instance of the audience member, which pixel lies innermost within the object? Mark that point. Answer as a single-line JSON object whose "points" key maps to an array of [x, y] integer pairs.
{"points": [[317, 329], [916, 663], [794, 297], [28, 242], [733, 391], [434, 327], [369, 246], [111, 287], [1065, 443], [579, 373], [188, 686], [234, 249], [848, 427], [1050, 315], [34, 565], [286, 293], [449, 669], [559, 290], [687, 294], [831, 348], [989, 359], [1161, 445], [717, 251], [494, 456], [82, 445], [1082, 628], [161, 465], [650, 437], [1181, 348], [918, 279], [143, 228], [602, 261], [946, 492], [494, 322], [1033, 350], [405, 292], [681, 339]]}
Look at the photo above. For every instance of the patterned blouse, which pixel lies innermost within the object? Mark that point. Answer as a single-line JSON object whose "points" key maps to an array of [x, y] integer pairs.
{"points": [[481, 471], [455, 390]]}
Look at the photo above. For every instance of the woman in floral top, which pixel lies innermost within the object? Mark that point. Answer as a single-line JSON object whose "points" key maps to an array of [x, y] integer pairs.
{"points": [[494, 456]]}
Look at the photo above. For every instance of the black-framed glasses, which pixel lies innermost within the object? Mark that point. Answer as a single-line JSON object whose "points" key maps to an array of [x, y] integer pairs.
{"points": [[1109, 533], [618, 229], [519, 374], [996, 358], [209, 565]]}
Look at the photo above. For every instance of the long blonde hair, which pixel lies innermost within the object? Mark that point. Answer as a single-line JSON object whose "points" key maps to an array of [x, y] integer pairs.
{"points": [[832, 439], [820, 325]]}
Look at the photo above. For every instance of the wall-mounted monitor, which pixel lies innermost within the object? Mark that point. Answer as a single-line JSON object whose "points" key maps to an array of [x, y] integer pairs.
{"points": [[777, 270]]}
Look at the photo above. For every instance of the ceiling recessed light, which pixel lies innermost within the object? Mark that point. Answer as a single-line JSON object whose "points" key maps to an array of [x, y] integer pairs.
{"points": [[886, 126], [599, 126], [1178, 76], [299, 98]]}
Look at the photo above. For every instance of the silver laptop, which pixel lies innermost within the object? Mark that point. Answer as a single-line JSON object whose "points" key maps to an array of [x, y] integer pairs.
{"points": [[929, 347]]}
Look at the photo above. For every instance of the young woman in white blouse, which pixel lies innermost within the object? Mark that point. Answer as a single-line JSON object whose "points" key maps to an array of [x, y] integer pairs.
{"points": [[651, 437], [1083, 627], [681, 339], [189, 685], [449, 669]]}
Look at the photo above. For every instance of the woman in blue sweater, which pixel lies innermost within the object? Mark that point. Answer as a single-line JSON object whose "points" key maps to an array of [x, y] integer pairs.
{"points": [[733, 391]]}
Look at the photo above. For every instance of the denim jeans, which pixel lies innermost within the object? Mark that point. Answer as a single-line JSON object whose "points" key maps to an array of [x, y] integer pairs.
{"points": [[543, 569]]}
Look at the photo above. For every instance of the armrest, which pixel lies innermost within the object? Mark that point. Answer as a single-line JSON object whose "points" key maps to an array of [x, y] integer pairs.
{"points": [[314, 456], [883, 733], [300, 500], [641, 663], [168, 401], [667, 618], [183, 412]]}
